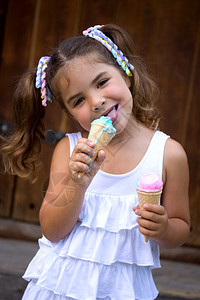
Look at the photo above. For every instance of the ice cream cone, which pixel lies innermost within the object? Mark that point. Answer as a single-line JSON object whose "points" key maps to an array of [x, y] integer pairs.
{"points": [[149, 191], [148, 197], [101, 133]]}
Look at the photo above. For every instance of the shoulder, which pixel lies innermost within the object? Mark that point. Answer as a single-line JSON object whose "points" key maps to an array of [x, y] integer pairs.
{"points": [[62, 146], [61, 155], [174, 150], [175, 159], [70, 140]]}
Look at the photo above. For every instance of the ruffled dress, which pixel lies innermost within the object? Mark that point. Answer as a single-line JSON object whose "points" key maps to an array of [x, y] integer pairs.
{"points": [[105, 256]]}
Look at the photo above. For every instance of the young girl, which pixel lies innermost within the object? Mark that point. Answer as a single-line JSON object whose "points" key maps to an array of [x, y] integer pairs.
{"points": [[93, 243]]}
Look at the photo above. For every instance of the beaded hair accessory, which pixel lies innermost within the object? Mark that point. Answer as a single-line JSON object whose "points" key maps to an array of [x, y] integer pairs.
{"points": [[95, 33], [41, 80]]}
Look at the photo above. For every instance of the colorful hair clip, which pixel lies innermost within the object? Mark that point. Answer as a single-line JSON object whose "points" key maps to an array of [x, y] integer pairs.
{"points": [[95, 33], [41, 80]]}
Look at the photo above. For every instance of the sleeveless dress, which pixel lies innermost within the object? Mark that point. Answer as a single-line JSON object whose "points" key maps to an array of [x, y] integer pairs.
{"points": [[105, 256]]}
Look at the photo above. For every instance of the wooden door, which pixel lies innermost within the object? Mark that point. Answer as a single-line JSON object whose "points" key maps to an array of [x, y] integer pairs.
{"points": [[167, 34]]}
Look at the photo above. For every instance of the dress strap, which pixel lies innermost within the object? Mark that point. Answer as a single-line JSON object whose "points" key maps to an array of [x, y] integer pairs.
{"points": [[155, 153], [73, 140]]}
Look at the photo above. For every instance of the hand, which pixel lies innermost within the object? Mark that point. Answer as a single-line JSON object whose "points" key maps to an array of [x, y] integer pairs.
{"points": [[152, 220], [81, 161]]}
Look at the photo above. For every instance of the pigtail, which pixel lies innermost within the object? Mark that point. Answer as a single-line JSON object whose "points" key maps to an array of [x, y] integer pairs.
{"points": [[20, 150], [145, 93]]}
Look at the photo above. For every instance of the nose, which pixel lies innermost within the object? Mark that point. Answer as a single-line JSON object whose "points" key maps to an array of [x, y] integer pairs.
{"points": [[97, 103]]}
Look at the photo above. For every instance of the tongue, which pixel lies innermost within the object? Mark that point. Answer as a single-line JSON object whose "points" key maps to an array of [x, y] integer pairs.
{"points": [[113, 114]]}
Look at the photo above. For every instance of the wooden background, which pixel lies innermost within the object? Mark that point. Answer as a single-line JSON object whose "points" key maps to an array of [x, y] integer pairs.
{"points": [[167, 33]]}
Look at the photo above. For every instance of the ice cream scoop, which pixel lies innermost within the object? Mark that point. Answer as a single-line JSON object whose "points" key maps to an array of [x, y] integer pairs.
{"points": [[150, 183]]}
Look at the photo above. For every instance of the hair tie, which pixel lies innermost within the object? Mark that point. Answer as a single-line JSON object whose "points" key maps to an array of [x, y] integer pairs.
{"points": [[41, 80], [95, 33]]}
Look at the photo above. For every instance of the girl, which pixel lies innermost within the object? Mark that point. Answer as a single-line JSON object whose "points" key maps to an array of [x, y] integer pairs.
{"points": [[93, 245]]}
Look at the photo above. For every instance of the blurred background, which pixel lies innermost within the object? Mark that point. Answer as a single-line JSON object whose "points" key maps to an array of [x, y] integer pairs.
{"points": [[166, 34]]}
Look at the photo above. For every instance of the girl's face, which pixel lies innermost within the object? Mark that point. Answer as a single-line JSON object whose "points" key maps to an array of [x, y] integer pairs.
{"points": [[90, 89]]}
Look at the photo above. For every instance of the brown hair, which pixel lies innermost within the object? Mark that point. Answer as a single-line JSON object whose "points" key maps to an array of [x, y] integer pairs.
{"points": [[20, 151]]}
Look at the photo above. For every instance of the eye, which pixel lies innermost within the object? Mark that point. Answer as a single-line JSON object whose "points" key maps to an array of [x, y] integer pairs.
{"points": [[102, 82], [78, 101]]}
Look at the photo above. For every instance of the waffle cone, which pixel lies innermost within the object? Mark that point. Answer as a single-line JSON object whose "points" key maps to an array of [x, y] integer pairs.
{"points": [[101, 137], [148, 197]]}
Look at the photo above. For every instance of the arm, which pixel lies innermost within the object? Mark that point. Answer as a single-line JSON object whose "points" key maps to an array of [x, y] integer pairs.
{"points": [[169, 223], [64, 197]]}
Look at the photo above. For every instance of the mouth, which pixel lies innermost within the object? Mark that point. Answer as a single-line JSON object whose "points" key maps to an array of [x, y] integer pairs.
{"points": [[112, 113]]}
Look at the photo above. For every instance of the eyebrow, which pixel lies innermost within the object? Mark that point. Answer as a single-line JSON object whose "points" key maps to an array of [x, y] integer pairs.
{"points": [[73, 97], [92, 83]]}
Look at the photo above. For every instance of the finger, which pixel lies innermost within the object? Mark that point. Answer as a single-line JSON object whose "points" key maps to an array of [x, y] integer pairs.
{"points": [[98, 162], [78, 166], [86, 141], [149, 215], [100, 157], [81, 173], [148, 225], [80, 162], [135, 208], [82, 157], [157, 209], [145, 231], [149, 231], [85, 146]]}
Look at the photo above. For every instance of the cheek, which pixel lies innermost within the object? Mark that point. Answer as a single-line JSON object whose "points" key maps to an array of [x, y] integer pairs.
{"points": [[81, 115], [84, 123], [125, 111], [125, 98], [115, 92], [121, 92], [83, 118]]}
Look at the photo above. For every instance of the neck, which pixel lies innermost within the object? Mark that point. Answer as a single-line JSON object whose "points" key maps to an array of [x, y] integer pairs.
{"points": [[132, 129]]}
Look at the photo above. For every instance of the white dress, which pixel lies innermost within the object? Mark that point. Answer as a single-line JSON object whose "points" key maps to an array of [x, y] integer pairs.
{"points": [[105, 256]]}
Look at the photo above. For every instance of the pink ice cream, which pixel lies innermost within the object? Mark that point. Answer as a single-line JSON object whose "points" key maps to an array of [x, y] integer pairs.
{"points": [[150, 183]]}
